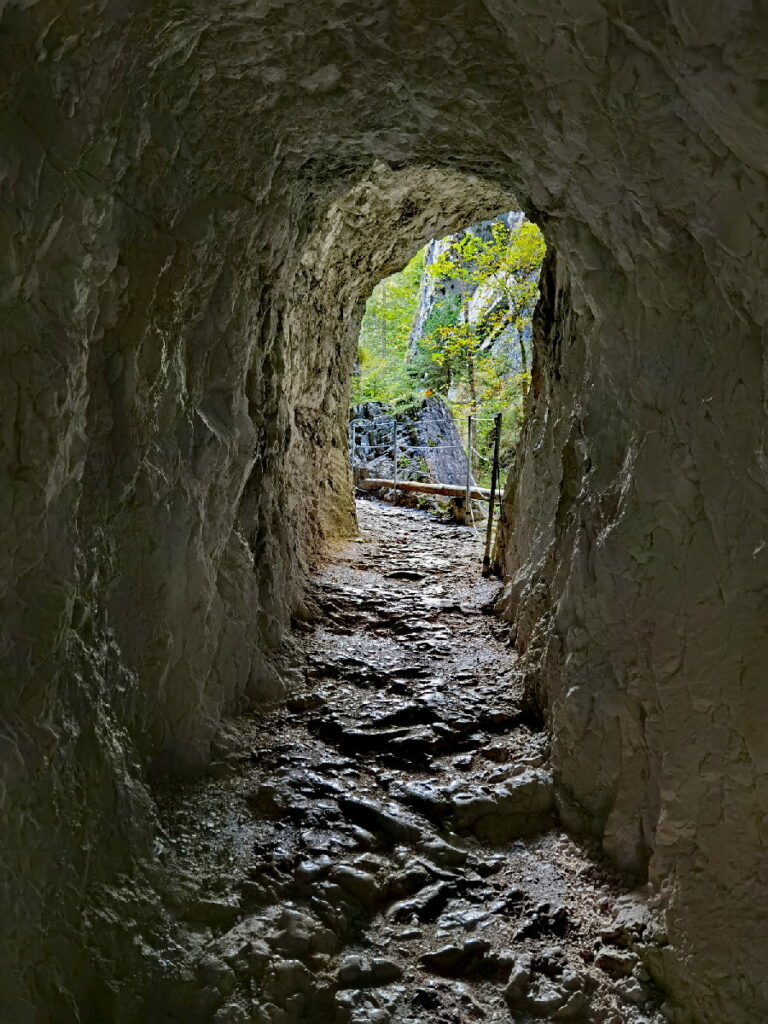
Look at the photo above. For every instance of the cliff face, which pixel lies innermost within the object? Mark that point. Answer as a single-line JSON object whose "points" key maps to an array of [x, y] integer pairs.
{"points": [[435, 293], [196, 199]]}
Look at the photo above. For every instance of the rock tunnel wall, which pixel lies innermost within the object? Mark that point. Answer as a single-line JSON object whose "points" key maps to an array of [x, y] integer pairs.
{"points": [[637, 596], [196, 199]]}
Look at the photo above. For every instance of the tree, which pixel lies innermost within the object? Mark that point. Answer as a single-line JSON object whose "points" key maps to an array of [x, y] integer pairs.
{"points": [[467, 349], [510, 262], [496, 280], [456, 343], [505, 265], [434, 375], [382, 374]]}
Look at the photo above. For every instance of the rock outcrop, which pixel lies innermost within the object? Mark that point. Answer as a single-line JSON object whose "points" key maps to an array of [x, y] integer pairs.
{"points": [[196, 199], [429, 446]]}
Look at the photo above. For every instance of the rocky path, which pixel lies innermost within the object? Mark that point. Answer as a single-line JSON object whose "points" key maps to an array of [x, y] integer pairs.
{"points": [[384, 849]]}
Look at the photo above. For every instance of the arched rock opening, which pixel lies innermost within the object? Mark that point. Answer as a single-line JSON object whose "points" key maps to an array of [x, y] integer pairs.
{"points": [[174, 365]]}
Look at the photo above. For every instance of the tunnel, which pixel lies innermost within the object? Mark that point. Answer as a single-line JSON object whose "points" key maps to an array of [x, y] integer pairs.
{"points": [[197, 199]]}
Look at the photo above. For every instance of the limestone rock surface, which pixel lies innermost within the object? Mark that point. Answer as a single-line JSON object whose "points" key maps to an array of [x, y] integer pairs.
{"points": [[197, 197]]}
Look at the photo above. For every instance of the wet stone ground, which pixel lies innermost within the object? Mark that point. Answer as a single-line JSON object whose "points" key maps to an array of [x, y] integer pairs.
{"points": [[384, 847]]}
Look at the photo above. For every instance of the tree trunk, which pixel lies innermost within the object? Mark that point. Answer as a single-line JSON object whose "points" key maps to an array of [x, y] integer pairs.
{"points": [[383, 323], [471, 381], [469, 344], [521, 343]]}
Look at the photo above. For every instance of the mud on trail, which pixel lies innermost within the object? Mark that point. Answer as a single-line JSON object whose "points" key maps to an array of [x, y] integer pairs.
{"points": [[384, 848]]}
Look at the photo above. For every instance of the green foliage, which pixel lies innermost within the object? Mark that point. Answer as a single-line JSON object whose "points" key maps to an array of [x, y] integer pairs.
{"points": [[382, 374], [434, 375], [460, 356], [444, 314], [503, 268], [504, 391], [508, 258], [510, 262]]}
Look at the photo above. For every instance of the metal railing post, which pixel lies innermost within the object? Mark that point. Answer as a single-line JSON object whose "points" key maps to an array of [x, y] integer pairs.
{"points": [[492, 501]]}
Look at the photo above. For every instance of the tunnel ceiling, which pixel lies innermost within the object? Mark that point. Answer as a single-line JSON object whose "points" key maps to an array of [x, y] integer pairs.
{"points": [[196, 199]]}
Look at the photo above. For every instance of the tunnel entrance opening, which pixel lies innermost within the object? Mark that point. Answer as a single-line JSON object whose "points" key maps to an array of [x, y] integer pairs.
{"points": [[442, 370], [195, 199], [390, 829]]}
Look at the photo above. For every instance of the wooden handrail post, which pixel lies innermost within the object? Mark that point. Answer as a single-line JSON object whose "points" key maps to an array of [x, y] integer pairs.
{"points": [[394, 449], [494, 481], [468, 496]]}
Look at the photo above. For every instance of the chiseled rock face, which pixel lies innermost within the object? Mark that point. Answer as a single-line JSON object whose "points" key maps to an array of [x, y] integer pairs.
{"points": [[196, 199], [636, 564]]}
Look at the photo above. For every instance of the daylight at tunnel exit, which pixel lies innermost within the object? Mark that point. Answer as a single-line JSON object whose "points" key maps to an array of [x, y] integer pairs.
{"points": [[384, 512]]}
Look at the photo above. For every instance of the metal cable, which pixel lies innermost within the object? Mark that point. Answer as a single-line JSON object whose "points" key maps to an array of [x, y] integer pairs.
{"points": [[379, 419], [412, 447], [432, 447], [371, 447]]}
